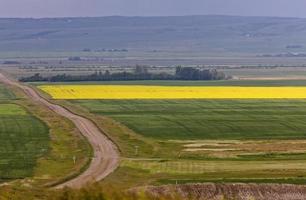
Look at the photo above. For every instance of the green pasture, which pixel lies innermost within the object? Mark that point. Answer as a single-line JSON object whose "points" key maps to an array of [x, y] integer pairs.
{"points": [[23, 138], [207, 119], [5, 94]]}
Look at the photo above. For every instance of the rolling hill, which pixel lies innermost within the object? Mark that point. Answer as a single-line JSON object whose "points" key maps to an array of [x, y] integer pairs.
{"points": [[218, 34]]}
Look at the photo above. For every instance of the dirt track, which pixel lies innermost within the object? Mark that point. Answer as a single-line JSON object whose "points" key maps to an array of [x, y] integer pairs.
{"points": [[106, 156]]}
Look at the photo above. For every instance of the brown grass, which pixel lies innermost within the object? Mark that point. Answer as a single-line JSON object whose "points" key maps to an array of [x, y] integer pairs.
{"points": [[233, 148], [211, 191]]}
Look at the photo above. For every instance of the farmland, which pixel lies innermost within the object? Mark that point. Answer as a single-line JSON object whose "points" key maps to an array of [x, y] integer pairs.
{"points": [[165, 139], [36, 144], [245, 83], [105, 107], [252, 140], [200, 140], [214, 140], [164, 92], [207, 119], [23, 138], [259, 140], [5, 94]]}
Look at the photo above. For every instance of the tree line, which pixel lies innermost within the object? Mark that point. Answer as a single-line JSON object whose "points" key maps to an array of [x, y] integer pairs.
{"points": [[140, 73]]}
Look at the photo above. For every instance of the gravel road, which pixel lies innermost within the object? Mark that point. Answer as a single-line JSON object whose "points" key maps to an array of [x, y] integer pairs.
{"points": [[105, 153]]}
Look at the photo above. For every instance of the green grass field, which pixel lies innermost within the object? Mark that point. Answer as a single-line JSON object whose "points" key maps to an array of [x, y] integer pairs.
{"points": [[207, 119], [23, 138], [210, 140], [5, 94]]}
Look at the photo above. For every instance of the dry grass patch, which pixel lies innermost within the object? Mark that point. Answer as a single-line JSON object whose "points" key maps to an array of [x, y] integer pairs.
{"points": [[234, 148]]}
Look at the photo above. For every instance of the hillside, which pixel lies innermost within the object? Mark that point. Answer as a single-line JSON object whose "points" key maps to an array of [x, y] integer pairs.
{"points": [[219, 34]]}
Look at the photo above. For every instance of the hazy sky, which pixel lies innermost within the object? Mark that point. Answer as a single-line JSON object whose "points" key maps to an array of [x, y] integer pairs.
{"points": [[61, 8]]}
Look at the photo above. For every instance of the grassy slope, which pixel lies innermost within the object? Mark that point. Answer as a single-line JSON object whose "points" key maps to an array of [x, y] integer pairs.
{"points": [[209, 34]]}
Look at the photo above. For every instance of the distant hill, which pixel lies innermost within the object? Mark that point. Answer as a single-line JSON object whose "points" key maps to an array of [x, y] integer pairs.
{"points": [[219, 34]]}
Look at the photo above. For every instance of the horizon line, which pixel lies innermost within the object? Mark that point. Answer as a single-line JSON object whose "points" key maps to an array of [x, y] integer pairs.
{"points": [[155, 16]]}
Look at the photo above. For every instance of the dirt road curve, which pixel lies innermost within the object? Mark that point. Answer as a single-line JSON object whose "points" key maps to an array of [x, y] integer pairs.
{"points": [[106, 156]]}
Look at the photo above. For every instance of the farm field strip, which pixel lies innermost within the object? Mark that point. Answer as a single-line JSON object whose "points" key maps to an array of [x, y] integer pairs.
{"points": [[206, 119], [171, 92], [238, 83], [5, 94], [23, 138], [255, 145], [266, 168], [260, 149]]}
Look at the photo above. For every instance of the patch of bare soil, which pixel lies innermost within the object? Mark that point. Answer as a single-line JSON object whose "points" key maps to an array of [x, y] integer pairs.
{"points": [[210, 191]]}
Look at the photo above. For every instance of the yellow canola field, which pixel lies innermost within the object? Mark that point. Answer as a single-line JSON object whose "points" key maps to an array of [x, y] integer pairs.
{"points": [[171, 92]]}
